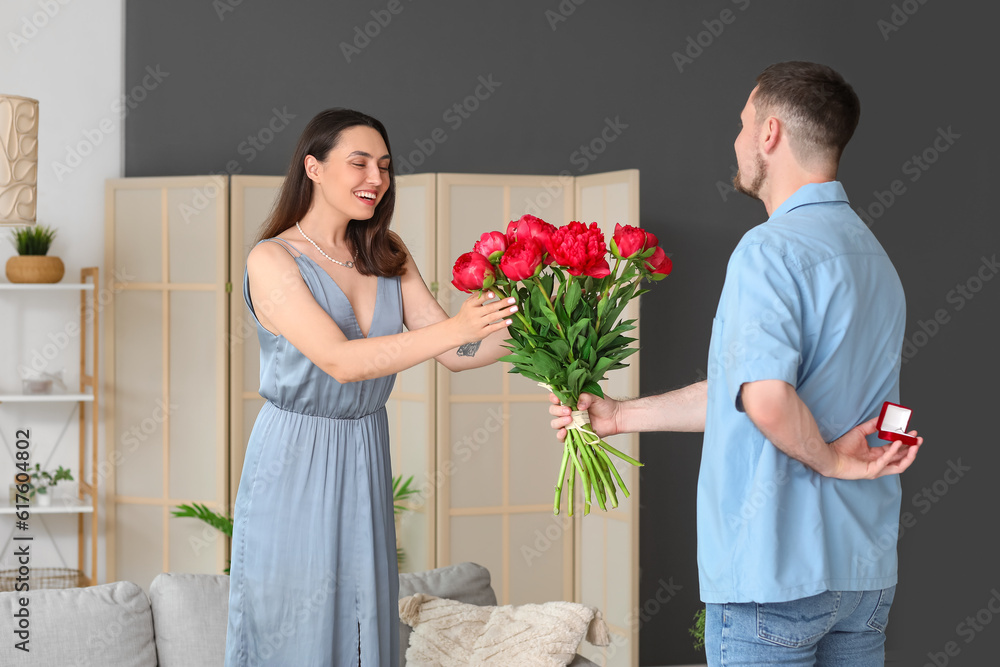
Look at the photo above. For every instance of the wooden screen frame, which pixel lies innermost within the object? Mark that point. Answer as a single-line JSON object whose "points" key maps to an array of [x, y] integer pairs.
{"points": [[429, 273], [164, 184], [237, 307], [446, 257], [630, 474]]}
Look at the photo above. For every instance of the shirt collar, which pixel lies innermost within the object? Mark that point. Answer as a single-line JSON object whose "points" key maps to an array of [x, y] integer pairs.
{"points": [[813, 193]]}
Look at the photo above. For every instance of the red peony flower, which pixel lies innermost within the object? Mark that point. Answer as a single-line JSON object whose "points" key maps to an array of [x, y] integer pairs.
{"points": [[522, 260], [530, 227], [491, 245], [472, 271], [581, 249], [659, 263], [631, 241]]}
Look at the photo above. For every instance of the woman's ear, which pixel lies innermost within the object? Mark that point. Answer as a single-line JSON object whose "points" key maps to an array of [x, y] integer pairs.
{"points": [[312, 167]]}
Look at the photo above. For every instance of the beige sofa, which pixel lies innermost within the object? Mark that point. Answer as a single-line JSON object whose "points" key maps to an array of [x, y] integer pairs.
{"points": [[181, 623]]}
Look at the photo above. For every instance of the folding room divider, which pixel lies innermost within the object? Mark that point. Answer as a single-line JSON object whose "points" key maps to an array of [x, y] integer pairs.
{"points": [[477, 443]]}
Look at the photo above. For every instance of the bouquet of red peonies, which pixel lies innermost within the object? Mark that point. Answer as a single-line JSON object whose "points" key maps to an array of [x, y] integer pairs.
{"points": [[567, 334]]}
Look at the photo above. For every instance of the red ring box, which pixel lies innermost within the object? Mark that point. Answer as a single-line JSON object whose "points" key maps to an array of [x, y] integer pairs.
{"points": [[892, 423]]}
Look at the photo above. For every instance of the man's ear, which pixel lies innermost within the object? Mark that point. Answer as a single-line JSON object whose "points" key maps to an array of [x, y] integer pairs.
{"points": [[770, 134]]}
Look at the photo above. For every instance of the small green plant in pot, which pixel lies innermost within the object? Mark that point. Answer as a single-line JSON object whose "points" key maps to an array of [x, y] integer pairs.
{"points": [[43, 480], [31, 264]]}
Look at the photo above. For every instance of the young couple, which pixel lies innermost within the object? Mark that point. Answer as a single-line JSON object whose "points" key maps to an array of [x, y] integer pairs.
{"points": [[810, 313]]}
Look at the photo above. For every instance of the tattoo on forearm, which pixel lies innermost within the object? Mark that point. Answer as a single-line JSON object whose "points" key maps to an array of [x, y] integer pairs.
{"points": [[469, 349]]}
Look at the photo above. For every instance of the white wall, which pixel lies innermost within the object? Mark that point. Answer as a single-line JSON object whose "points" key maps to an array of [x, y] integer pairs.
{"points": [[67, 54]]}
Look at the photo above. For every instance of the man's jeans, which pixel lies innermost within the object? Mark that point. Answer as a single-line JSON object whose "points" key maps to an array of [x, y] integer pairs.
{"points": [[832, 629]]}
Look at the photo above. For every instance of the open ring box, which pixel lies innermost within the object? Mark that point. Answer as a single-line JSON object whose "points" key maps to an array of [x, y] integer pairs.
{"points": [[892, 424]]}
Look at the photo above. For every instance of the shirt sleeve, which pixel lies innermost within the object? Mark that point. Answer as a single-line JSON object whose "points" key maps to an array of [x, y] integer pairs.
{"points": [[762, 320]]}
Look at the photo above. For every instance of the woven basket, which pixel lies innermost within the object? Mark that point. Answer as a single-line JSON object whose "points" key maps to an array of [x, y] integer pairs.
{"points": [[44, 577]]}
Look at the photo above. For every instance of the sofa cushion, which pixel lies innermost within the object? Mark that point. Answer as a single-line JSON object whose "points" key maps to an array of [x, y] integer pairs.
{"points": [[190, 615], [108, 625], [465, 582]]}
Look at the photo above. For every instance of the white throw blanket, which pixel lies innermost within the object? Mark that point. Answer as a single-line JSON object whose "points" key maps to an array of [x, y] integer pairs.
{"points": [[447, 633]]}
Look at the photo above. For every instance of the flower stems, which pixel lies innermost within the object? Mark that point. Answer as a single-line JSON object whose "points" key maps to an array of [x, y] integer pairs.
{"points": [[583, 476], [588, 454], [559, 482]]}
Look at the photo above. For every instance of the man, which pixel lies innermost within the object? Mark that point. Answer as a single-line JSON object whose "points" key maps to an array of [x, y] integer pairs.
{"points": [[794, 493]]}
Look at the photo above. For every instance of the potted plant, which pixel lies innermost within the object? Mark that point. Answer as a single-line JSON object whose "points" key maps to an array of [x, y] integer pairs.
{"points": [[224, 524], [31, 265], [42, 480]]}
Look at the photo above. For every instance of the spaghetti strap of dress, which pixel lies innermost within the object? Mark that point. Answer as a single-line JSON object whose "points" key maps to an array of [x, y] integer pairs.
{"points": [[285, 244]]}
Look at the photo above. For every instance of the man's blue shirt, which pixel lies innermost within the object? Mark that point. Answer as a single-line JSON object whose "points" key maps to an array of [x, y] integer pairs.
{"points": [[811, 298]]}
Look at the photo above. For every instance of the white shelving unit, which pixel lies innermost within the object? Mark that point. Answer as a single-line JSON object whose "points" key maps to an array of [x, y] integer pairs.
{"points": [[47, 287], [85, 501], [60, 505], [45, 398]]}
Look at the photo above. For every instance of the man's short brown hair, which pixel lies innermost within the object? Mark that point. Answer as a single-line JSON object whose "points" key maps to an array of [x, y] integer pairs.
{"points": [[818, 108]]}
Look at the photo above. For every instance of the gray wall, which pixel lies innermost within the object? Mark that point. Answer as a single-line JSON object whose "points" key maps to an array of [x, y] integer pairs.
{"points": [[223, 75]]}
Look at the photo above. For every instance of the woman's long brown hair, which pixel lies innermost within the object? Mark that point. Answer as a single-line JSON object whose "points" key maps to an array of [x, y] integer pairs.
{"points": [[379, 251]]}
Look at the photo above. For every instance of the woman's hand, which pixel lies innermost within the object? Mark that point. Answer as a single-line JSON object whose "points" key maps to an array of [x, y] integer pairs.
{"points": [[477, 319]]}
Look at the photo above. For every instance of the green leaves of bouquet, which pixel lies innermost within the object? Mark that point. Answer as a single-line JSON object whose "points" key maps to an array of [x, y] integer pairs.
{"points": [[567, 334]]}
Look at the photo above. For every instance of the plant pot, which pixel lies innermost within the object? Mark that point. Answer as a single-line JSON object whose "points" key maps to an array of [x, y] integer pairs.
{"points": [[35, 269], [43, 499]]}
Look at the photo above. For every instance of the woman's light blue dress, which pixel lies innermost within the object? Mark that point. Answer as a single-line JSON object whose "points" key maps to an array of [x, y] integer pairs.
{"points": [[313, 574]]}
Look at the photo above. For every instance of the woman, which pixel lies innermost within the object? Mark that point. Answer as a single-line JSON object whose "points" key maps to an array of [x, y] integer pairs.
{"points": [[314, 579]]}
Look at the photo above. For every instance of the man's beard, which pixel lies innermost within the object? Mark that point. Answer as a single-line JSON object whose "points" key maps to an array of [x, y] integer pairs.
{"points": [[752, 189]]}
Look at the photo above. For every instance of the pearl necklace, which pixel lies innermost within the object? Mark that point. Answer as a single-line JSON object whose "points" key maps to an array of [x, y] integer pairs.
{"points": [[348, 264]]}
